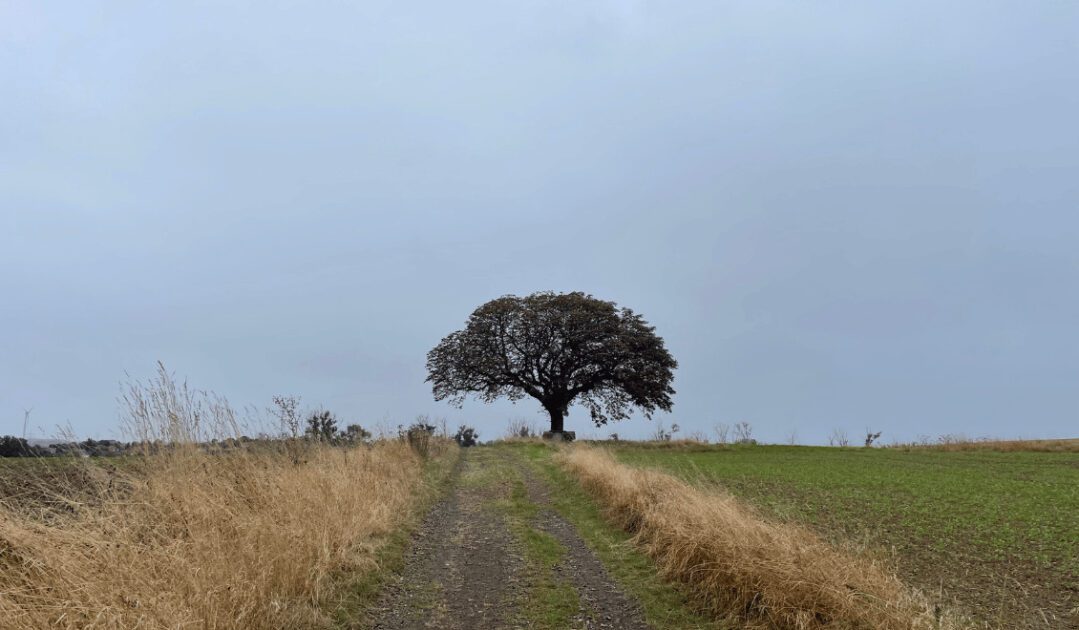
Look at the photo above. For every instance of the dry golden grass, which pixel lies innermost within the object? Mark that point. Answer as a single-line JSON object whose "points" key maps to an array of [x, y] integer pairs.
{"points": [[959, 443], [187, 539], [769, 574]]}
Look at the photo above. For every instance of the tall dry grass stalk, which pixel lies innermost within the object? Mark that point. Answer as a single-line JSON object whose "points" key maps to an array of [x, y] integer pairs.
{"points": [[736, 563], [251, 537]]}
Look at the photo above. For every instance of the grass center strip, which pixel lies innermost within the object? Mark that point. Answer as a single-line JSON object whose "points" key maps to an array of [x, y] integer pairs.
{"points": [[549, 602]]}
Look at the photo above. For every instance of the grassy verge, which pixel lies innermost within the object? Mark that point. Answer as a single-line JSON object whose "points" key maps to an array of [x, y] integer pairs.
{"points": [[665, 604], [992, 533]]}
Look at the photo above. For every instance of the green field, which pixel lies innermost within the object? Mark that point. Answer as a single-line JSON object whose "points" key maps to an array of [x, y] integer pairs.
{"points": [[997, 533]]}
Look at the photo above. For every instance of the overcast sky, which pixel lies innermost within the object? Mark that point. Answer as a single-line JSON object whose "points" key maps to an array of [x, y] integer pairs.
{"points": [[838, 214]]}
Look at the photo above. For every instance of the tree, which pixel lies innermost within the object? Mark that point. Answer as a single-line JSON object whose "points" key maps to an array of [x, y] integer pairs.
{"points": [[561, 349], [322, 425]]}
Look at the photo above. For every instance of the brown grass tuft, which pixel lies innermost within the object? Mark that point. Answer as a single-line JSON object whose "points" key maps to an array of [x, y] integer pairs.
{"points": [[769, 574]]}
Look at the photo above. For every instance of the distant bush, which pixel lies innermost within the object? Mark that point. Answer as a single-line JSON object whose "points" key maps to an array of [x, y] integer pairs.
{"points": [[838, 438], [419, 436], [521, 428], [11, 446], [322, 426], [871, 437], [466, 436], [743, 433], [354, 433], [422, 423], [661, 434]]}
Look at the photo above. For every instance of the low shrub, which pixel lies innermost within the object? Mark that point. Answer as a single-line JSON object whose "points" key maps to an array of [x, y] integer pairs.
{"points": [[466, 436]]}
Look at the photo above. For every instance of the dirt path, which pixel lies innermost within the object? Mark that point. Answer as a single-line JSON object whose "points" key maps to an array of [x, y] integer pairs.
{"points": [[610, 606], [492, 554]]}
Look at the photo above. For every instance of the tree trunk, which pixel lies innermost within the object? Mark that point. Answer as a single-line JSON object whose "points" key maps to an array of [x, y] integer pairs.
{"points": [[558, 414]]}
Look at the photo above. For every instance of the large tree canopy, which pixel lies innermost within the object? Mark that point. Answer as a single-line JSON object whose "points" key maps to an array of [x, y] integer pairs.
{"points": [[559, 348]]}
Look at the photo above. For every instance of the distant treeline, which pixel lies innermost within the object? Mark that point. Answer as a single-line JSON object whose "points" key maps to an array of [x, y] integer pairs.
{"points": [[11, 446], [320, 426]]}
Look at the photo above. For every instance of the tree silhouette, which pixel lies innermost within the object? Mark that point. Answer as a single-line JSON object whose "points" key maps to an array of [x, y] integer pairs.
{"points": [[561, 349]]}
